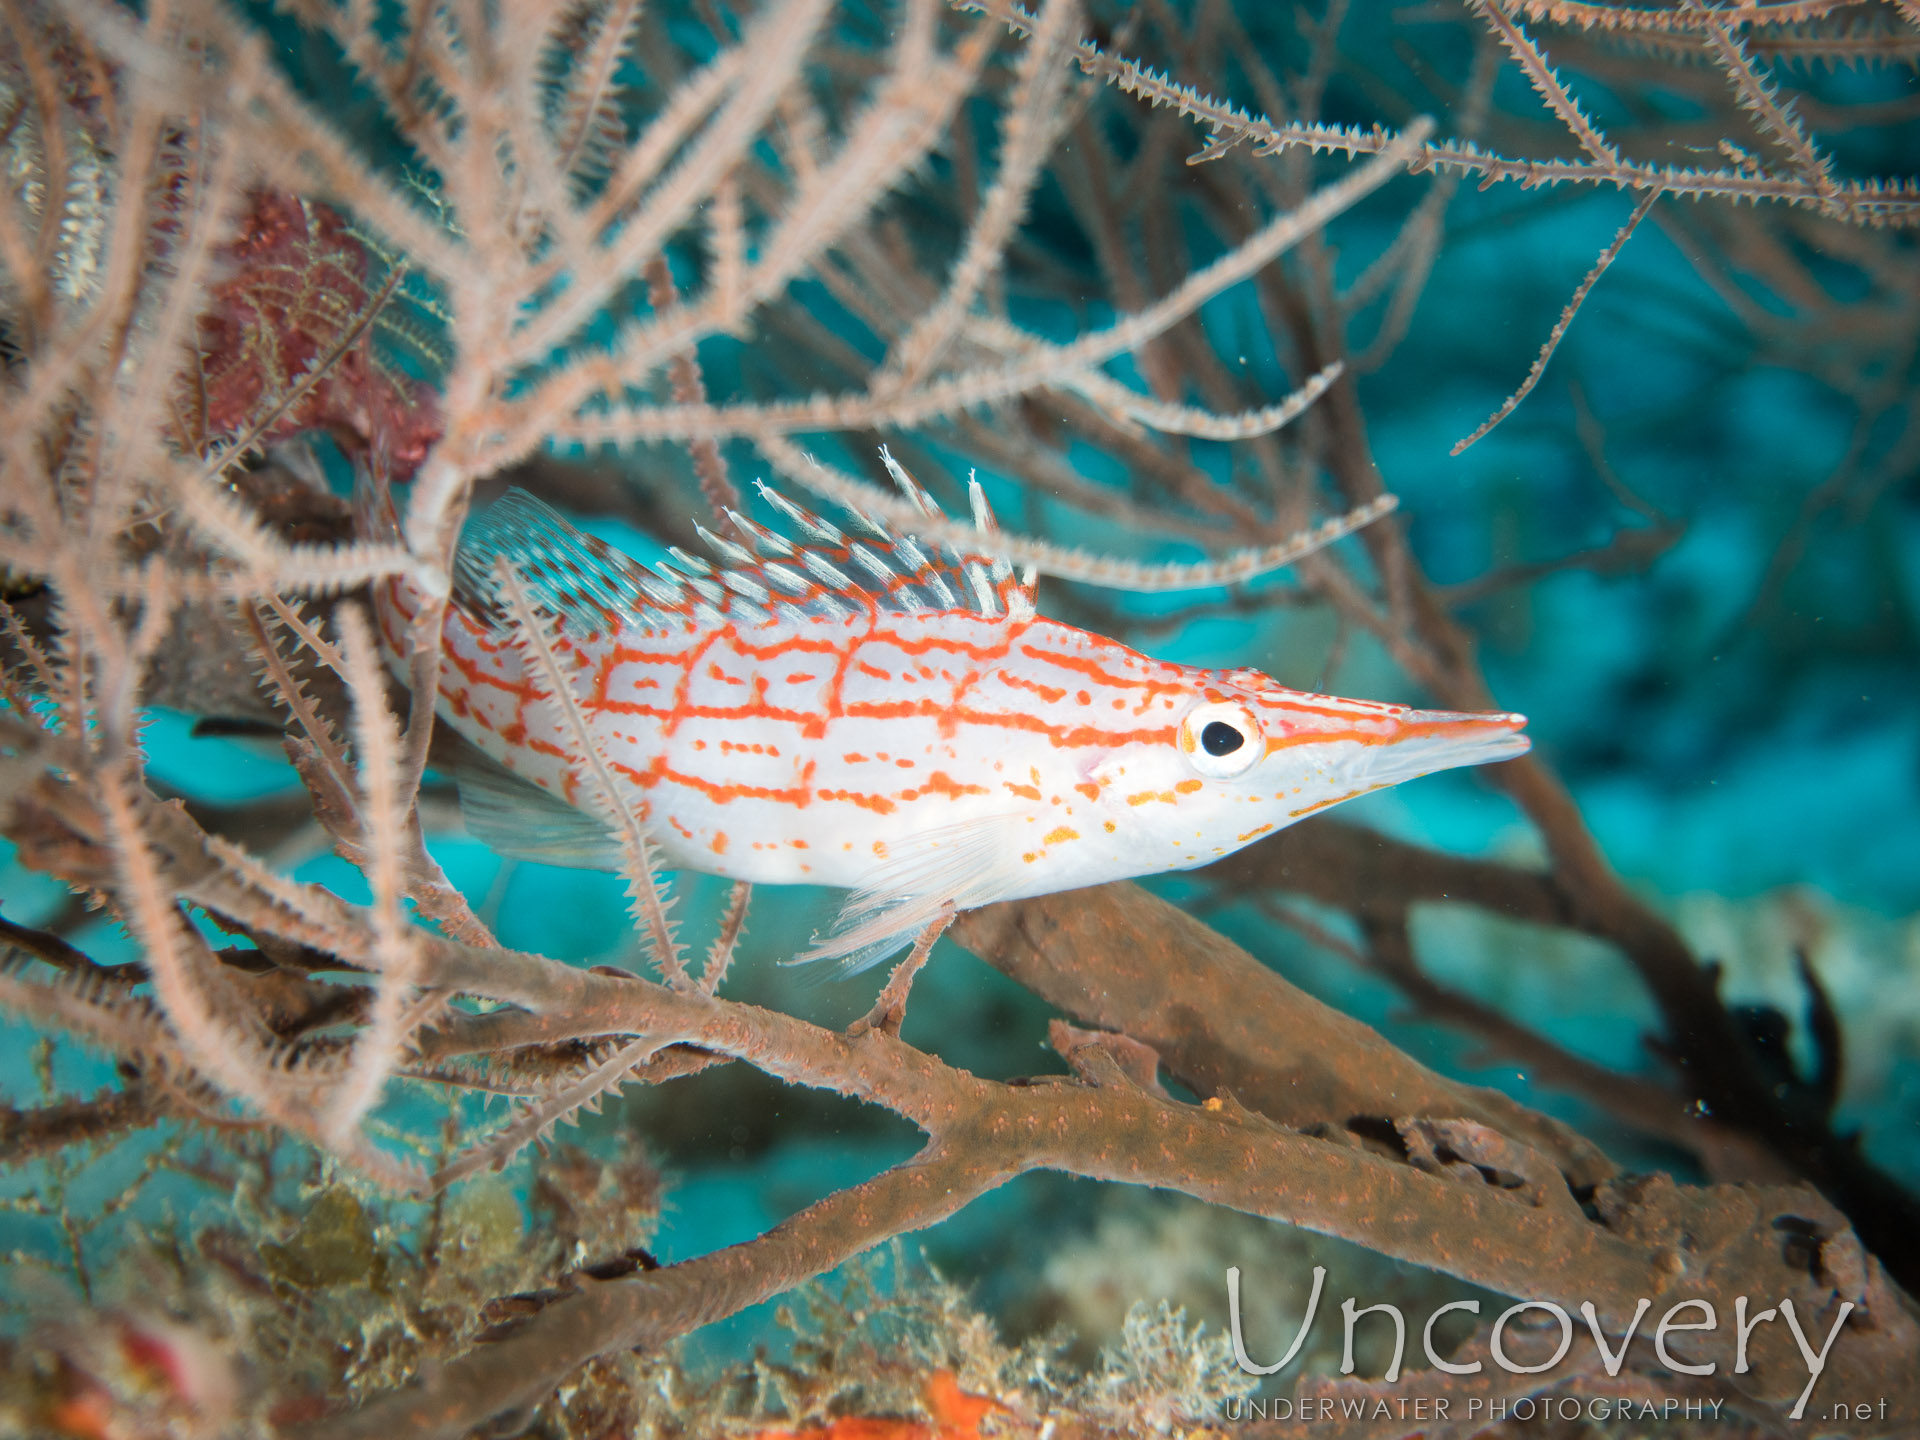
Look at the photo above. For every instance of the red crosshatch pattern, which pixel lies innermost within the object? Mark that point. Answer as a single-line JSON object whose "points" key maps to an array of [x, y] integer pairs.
{"points": [[872, 746]]}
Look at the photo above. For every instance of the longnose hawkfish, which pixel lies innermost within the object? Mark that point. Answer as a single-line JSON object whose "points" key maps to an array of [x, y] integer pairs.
{"points": [[878, 713]]}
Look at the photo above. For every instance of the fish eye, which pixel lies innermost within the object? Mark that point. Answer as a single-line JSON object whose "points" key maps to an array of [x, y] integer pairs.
{"points": [[1221, 740]]}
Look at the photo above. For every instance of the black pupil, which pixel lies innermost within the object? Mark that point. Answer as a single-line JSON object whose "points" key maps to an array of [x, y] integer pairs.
{"points": [[1219, 738]]}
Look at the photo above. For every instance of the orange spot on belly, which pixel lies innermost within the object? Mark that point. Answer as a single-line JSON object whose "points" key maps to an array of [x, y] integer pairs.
{"points": [[941, 783], [1088, 789], [719, 842], [1187, 787], [1055, 836]]}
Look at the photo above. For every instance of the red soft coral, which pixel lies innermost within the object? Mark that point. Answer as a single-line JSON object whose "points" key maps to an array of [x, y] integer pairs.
{"points": [[297, 291]]}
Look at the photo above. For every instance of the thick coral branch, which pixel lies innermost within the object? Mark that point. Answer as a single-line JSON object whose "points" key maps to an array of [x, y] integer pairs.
{"points": [[1222, 1022], [1648, 1240]]}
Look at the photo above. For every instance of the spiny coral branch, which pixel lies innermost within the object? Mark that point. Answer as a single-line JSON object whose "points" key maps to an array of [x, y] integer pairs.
{"points": [[639, 863], [541, 1115], [1539, 368], [1039, 364], [381, 829], [1775, 116], [1033, 120], [1060, 561], [1549, 85], [1873, 202]]}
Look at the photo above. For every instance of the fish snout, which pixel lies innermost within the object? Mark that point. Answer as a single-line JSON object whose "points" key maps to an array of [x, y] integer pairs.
{"points": [[1419, 742], [1371, 744]]}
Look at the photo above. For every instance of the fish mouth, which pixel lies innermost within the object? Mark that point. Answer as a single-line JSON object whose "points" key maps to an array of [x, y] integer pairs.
{"points": [[1425, 741]]}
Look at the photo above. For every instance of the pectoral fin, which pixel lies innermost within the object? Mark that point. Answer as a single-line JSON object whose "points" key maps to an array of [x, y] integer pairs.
{"points": [[520, 820], [971, 863]]}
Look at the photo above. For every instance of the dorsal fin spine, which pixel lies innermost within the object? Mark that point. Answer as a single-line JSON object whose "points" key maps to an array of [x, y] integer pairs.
{"points": [[875, 566], [983, 593], [668, 597], [764, 540], [692, 564], [809, 523], [909, 486], [983, 520], [745, 585], [787, 578], [908, 549], [728, 551], [825, 570]]}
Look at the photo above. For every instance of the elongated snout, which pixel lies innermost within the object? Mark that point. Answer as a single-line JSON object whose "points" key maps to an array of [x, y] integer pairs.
{"points": [[1369, 745], [1423, 741]]}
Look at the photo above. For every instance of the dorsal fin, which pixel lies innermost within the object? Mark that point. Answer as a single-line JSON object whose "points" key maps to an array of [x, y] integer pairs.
{"points": [[820, 571], [567, 571]]}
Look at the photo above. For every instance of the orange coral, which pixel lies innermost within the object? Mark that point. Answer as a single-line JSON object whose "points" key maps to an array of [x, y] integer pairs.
{"points": [[956, 1415]]}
